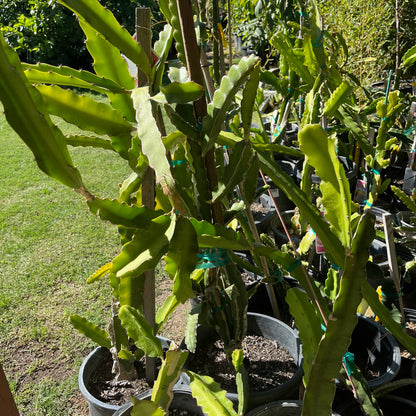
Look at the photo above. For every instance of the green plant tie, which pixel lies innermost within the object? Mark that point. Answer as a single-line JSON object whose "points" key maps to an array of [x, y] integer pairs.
{"points": [[318, 42], [277, 273], [410, 130], [213, 257], [293, 266], [223, 305], [368, 204], [335, 267], [348, 360], [199, 126], [376, 172], [174, 163], [392, 295], [277, 126], [278, 130]]}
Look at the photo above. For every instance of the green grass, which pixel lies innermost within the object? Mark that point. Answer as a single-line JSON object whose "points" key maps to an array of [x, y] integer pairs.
{"points": [[49, 244]]}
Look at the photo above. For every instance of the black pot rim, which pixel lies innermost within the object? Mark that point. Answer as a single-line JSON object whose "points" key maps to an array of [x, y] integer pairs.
{"points": [[82, 383], [394, 366], [258, 397]]}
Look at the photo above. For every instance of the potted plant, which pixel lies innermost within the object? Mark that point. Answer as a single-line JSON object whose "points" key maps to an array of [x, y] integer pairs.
{"points": [[186, 212]]}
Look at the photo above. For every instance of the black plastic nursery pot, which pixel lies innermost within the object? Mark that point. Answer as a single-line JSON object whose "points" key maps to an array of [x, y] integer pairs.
{"points": [[376, 352], [279, 408], [183, 401], [391, 405], [260, 301], [408, 363], [92, 362], [273, 329]]}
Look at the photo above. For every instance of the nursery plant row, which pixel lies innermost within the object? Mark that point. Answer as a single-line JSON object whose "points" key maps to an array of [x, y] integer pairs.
{"points": [[294, 182]]}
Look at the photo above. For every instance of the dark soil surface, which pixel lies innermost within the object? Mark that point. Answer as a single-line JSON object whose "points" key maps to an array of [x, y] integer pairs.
{"points": [[103, 386], [268, 364]]}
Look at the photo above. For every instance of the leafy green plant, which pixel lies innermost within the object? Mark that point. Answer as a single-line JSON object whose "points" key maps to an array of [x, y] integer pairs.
{"points": [[182, 215], [187, 198], [45, 31], [366, 28], [256, 21]]}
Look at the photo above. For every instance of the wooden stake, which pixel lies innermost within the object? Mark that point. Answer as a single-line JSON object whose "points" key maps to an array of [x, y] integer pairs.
{"points": [[144, 37], [230, 34], [392, 259], [7, 404], [195, 74]]}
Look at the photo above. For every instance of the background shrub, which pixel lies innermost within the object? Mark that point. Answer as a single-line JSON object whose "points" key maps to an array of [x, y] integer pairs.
{"points": [[369, 30], [45, 31]]}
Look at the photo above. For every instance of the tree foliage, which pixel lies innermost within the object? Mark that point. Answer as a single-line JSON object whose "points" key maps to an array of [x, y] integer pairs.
{"points": [[369, 30], [257, 20], [45, 31]]}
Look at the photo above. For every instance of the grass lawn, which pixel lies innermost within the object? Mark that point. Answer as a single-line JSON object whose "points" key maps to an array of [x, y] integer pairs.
{"points": [[49, 245]]}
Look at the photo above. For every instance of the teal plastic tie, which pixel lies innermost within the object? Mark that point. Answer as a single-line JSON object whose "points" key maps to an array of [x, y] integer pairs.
{"points": [[323, 327], [409, 131], [222, 307], [293, 266], [368, 204], [391, 295], [277, 273], [214, 257], [278, 130], [174, 163], [348, 360], [318, 42], [376, 172]]}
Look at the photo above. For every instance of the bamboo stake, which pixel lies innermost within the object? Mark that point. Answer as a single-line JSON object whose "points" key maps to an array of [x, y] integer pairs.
{"points": [[144, 37], [392, 259]]}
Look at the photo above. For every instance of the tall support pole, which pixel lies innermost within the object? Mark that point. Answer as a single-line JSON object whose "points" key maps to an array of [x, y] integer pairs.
{"points": [[230, 34], [397, 16], [392, 259], [144, 37], [192, 55]]}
